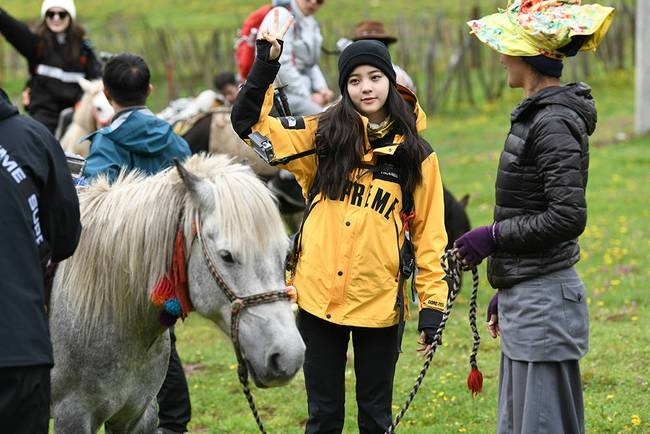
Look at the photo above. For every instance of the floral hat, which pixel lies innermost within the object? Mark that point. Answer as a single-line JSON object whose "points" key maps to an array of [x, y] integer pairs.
{"points": [[534, 27]]}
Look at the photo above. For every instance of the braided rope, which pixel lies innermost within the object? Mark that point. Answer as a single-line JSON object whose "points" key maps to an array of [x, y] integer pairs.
{"points": [[242, 373], [472, 320], [454, 271]]}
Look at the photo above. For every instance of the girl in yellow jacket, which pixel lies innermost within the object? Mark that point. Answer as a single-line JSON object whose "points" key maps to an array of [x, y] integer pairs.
{"points": [[357, 162]]}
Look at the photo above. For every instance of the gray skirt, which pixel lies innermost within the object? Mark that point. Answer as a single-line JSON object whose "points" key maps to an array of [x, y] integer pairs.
{"points": [[545, 319], [544, 332], [540, 398]]}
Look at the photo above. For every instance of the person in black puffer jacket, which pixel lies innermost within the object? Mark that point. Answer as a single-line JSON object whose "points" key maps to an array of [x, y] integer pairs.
{"points": [[58, 55], [540, 310]]}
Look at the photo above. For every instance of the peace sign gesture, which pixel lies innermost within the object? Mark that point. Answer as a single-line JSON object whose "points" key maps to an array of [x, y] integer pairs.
{"points": [[275, 33]]}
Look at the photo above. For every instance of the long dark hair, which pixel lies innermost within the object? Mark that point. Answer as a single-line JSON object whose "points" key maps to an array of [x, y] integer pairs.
{"points": [[340, 140], [74, 37]]}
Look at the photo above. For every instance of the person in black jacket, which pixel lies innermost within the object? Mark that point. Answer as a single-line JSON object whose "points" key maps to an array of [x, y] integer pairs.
{"points": [[540, 311], [39, 225], [58, 55]]}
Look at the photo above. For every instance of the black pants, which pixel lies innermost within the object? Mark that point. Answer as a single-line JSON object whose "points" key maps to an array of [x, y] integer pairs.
{"points": [[375, 356], [174, 409], [25, 399]]}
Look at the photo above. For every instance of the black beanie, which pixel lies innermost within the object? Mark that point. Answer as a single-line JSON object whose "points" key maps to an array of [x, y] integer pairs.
{"points": [[365, 52], [545, 65]]}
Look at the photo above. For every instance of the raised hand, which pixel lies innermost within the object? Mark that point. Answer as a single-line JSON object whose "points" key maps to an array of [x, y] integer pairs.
{"points": [[275, 33]]}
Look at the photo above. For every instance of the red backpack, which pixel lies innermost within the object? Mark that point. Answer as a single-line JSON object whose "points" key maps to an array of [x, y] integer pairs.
{"points": [[247, 34]]}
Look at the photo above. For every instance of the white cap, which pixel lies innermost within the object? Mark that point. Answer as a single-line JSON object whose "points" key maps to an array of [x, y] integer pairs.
{"points": [[67, 5]]}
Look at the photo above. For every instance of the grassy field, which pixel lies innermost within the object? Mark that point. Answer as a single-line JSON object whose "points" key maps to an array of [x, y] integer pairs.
{"points": [[203, 14], [614, 262], [614, 267]]}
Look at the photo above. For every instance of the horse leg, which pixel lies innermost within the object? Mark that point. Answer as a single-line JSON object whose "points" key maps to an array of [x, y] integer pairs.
{"points": [[72, 417], [144, 423]]}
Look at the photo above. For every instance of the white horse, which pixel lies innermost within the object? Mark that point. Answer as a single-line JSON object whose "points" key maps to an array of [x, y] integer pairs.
{"points": [[92, 112], [209, 223]]}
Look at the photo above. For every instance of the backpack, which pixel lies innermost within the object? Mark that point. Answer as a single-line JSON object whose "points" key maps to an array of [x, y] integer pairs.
{"points": [[247, 34]]}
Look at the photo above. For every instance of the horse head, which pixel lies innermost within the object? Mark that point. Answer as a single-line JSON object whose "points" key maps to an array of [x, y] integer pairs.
{"points": [[93, 111], [102, 111], [236, 248]]}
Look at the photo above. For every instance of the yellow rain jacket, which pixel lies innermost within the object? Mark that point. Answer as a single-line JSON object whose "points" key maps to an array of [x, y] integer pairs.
{"points": [[348, 268]]}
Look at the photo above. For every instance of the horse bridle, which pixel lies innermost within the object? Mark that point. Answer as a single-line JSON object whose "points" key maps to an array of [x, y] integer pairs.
{"points": [[238, 305]]}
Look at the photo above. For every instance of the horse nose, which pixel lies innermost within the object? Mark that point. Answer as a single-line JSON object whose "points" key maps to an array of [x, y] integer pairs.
{"points": [[282, 363]]}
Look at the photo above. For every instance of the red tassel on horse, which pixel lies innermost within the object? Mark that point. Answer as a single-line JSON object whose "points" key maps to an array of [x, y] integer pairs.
{"points": [[162, 291], [179, 273]]}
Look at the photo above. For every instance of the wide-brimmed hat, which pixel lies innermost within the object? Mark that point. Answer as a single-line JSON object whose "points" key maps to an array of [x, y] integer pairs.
{"points": [[534, 27], [372, 30]]}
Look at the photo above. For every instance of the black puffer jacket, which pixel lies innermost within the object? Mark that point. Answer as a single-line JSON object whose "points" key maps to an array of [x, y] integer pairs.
{"points": [[540, 187]]}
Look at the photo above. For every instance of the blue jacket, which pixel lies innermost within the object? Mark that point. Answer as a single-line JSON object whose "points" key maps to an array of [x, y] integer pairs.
{"points": [[135, 139]]}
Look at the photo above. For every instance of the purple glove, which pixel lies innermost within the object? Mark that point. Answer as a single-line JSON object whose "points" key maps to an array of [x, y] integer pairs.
{"points": [[477, 244], [493, 307]]}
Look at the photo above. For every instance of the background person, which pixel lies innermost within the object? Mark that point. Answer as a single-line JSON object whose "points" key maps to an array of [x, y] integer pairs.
{"points": [[137, 139], [369, 153], [227, 85], [306, 89], [39, 223], [57, 54], [540, 211]]}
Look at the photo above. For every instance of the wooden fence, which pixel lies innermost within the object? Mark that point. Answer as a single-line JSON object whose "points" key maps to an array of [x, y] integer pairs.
{"points": [[450, 67]]}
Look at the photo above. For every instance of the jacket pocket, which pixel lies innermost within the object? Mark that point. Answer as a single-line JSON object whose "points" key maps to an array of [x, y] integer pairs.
{"points": [[574, 303]]}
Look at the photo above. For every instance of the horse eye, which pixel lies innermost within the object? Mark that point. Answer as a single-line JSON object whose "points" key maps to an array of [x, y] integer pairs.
{"points": [[226, 256]]}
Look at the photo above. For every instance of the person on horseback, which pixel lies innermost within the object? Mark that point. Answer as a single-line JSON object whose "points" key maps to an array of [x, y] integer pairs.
{"points": [[40, 226], [57, 54], [304, 83], [137, 139], [227, 85], [358, 162]]}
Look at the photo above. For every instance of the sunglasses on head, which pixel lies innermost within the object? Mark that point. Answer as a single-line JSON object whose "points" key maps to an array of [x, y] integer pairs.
{"points": [[319, 2], [61, 14]]}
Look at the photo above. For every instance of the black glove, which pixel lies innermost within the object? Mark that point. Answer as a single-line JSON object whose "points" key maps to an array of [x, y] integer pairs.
{"points": [[428, 322], [263, 50]]}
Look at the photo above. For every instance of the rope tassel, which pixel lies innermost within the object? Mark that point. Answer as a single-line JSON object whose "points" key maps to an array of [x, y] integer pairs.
{"points": [[475, 377], [475, 381]]}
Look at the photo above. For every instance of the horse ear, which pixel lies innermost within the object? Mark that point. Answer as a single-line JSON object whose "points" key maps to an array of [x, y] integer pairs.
{"points": [[464, 201], [85, 84], [199, 189]]}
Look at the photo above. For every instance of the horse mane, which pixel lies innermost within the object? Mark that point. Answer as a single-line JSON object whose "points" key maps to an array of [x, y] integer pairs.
{"points": [[129, 229]]}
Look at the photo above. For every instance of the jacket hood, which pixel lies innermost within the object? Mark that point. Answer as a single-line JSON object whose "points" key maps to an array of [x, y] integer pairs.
{"points": [[412, 100], [576, 96], [7, 109], [143, 134]]}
